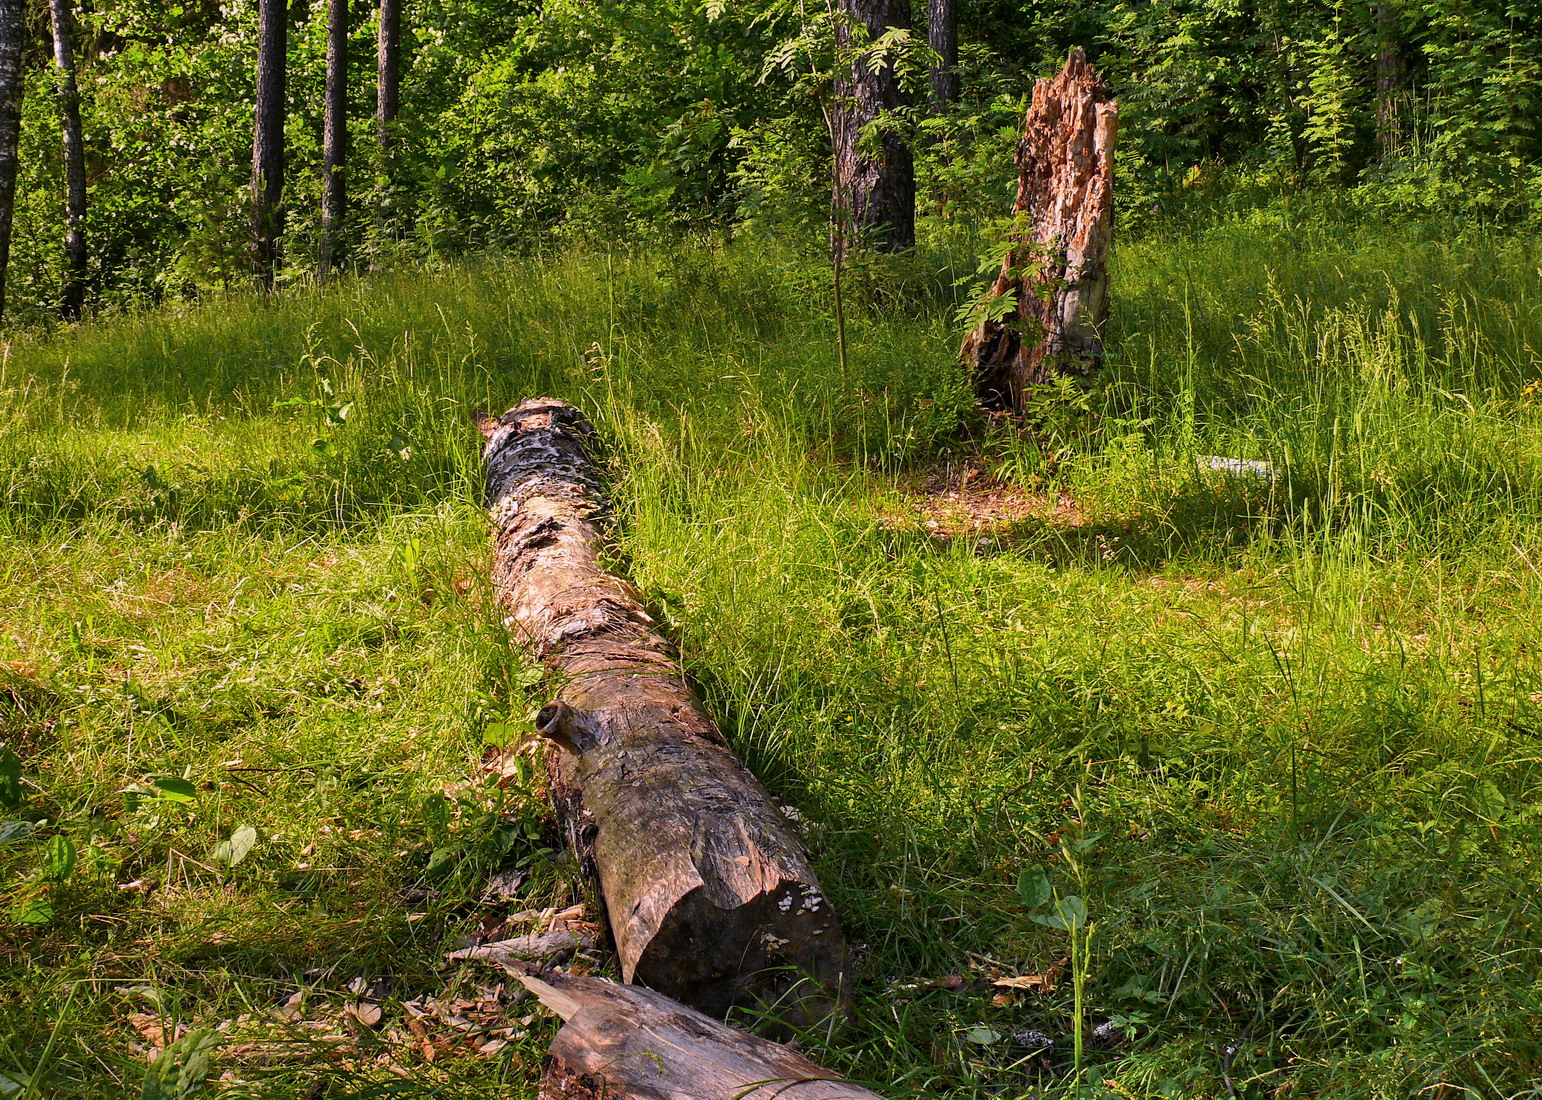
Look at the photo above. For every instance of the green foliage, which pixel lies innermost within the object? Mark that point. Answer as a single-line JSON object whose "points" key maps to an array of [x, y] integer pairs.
{"points": [[182, 1068], [526, 126]]}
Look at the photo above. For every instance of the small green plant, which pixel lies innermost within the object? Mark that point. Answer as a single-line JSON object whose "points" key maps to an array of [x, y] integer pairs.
{"points": [[181, 1070], [30, 898], [235, 848], [979, 303], [1046, 905]]}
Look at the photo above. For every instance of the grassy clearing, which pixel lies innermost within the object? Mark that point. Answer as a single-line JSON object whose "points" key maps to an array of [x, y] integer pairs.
{"points": [[1283, 738]]}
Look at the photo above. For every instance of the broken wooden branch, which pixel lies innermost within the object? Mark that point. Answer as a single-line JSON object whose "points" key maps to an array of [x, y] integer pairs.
{"points": [[710, 895], [554, 946], [627, 1043], [1056, 269]]}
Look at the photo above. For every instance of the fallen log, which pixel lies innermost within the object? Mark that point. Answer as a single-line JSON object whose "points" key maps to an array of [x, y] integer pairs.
{"points": [[1056, 268], [627, 1043], [709, 894]]}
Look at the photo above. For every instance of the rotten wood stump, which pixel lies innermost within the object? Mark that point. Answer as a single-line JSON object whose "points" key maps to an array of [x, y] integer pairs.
{"points": [[1056, 268], [709, 894], [625, 1043]]}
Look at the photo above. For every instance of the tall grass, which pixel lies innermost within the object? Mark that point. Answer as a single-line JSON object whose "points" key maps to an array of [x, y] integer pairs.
{"points": [[1281, 735]]}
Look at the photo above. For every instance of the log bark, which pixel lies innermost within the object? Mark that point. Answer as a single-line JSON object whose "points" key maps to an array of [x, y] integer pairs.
{"points": [[710, 896], [626, 1043], [876, 192], [268, 138], [12, 38], [1056, 268], [73, 298]]}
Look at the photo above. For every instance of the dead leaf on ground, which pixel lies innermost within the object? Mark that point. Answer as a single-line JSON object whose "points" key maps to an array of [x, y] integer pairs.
{"points": [[1034, 983], [152, 1028], [478, 1020], [365, 1012]]}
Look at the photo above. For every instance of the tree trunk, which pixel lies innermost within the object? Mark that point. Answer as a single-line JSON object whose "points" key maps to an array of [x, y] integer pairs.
{"points": [[1391, 82], [710, 897], [387, 96], [942, 37], [1056, 270], [880, 190], [74, 296], [268, 138], [626, 1043], [334, 185], [12, 32]]}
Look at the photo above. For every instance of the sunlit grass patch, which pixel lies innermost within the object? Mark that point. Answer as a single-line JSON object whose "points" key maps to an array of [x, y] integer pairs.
{"points": [[1278, 733]]}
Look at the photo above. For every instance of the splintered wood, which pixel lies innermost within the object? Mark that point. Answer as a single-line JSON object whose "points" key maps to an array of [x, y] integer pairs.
{"points": [[1056, 269], [710, 895], [624, 1042]]}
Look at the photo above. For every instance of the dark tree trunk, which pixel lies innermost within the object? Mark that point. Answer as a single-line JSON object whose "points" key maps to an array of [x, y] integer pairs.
{"points": [[878, 189], [709, 894], [74, 296], [388, 61], [942, 37], [334, 186], [1391, 82], [12, 33], [626, 1043], [268, 138], [1056, 269]]}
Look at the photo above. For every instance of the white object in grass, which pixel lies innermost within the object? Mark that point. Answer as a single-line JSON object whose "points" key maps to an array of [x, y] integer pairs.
{"points": [[1238, 467]]}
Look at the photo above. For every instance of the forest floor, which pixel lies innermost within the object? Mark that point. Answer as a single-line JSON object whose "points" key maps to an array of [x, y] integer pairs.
{"points": [[1280, 736]]}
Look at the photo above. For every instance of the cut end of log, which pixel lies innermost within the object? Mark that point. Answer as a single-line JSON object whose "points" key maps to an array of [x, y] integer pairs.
{"points": [[780, 955]]}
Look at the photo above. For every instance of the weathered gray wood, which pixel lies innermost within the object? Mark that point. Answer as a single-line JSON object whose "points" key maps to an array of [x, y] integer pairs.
{"points": [[1057, 267], [626, 1043], [554, 946], [710, 895]]}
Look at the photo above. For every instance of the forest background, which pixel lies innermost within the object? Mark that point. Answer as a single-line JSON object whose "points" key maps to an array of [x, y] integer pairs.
{"points": [[528, 125]]}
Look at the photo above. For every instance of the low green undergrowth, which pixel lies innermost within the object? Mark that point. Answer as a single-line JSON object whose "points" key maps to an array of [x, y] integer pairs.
{"points": [[1256, 754]]}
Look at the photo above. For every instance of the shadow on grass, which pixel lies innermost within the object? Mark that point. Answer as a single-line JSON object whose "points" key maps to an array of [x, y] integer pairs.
{"points": [[1432, 510]]}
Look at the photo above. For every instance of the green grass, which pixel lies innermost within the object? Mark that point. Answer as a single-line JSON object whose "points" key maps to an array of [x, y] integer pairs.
{"points": [[1285, 739]]}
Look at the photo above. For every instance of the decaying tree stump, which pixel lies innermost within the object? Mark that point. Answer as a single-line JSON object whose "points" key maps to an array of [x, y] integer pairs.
{"points": [[1056, 268], [710, 896], [626, 1043]]}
